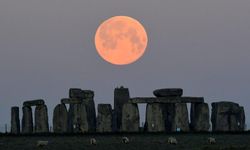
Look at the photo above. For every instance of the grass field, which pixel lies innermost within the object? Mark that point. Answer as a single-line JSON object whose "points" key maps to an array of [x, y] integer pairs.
{"points": [[186, 141]]}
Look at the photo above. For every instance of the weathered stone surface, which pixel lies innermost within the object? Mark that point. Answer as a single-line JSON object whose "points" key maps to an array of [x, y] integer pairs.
{"points": [[166, 100], [181, 117], [76, 93], [130, 118], [104, 118], [15, 121], [176, 117], [87, 98], [199, 117], [78, 121], [121, 96], [33, 102], [169, 117], [227, 116], [172, 92], [60, 119], [27, 123], [41, 119], [71, 101], [90, 108], [241, 118], [155, 121]]}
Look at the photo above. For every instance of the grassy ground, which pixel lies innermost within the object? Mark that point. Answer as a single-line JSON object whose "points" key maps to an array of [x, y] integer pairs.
{"points": [[137, 141]]}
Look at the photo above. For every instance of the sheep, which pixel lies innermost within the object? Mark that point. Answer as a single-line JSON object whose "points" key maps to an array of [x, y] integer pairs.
{"points": [[42, 143], [125, 140], [93, 141], [172, 140], [211, 140]]}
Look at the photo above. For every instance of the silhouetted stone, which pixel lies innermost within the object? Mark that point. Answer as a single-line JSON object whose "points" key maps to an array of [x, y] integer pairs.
{"points": [[33, 102], [241, 118], [130, 118], [78, 121], [71, 101], [90, 108], [199, 117], [155, 121], [76, 93], [172, 92], [121, 96], [181, 117], [15, 121], [169, 117], [176, 117], [27, 123], [60, 119], [41, 119], [87, 98], [227, 116], [104, 118], [166, 100]]}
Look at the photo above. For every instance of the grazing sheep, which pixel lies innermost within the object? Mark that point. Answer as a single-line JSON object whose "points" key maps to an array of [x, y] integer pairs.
{"points": [[125, 140], [211, 140], [42, 143], [93, 141], [172, 140]]}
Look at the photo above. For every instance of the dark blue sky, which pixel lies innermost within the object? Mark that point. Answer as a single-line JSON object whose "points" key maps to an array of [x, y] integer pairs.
{"points": [[46, 47]]}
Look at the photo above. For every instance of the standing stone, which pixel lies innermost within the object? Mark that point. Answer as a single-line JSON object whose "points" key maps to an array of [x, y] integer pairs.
{"points": [[169, 117], [27, 123], [130, 118], [121, 96], [41, 119], [241, 119], [199, 117], [87, 98], [155, 121], [78, 121], [181, 121], [90, 108], [15, 121], [104, 118], [226, 117], [60, 119]]}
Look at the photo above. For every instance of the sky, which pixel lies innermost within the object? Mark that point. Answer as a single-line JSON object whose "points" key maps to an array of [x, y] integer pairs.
{"points": [[47, 47]]}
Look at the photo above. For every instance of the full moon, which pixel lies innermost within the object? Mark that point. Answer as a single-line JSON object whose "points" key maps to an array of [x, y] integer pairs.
{"points": [[121, 40]]}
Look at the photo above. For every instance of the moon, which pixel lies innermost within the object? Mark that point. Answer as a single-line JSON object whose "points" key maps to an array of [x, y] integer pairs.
{"points": [[121, 40]]}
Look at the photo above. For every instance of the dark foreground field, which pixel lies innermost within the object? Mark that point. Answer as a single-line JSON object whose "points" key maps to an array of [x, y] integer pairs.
{"points": [[137, 141]]}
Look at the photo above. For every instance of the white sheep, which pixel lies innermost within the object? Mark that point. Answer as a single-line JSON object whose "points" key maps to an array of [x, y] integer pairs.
{"points": [[211, 140], [172, 140], [93, 141], [42, 143], [125, 140]]}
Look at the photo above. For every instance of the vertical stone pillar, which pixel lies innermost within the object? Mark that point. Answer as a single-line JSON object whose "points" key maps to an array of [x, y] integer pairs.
{"points": [[78, 121], [41, 119], [15, 121], [199, 117], [241, 119], [181, 117], [121, 96], [104, 118], [60, 119], [155, 121], [90, 108], [130, 118], [227, 116], [27, 121]]}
